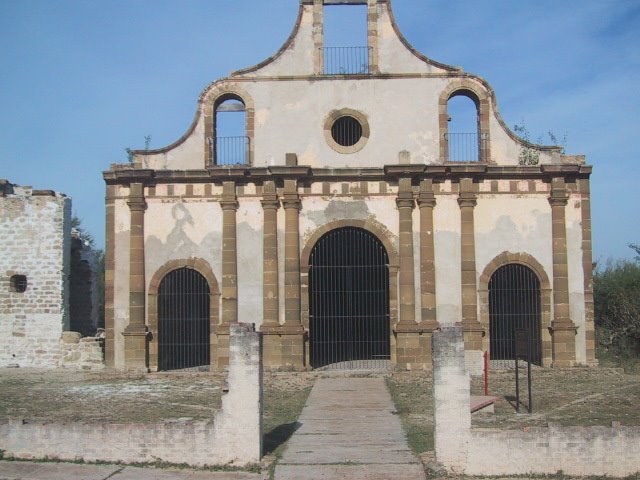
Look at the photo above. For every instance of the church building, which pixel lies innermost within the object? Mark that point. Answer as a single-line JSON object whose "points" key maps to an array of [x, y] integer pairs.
{"points": [[331, 196]]}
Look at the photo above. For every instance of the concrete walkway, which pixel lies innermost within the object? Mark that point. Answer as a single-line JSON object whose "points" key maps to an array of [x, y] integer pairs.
{"points": [[70, 471], [348, 431]]}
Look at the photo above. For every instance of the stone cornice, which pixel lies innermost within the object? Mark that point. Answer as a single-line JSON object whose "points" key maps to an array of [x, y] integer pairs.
{"points": [[124, 174]]}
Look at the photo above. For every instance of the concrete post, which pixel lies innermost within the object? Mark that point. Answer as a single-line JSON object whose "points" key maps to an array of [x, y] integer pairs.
{"points": [[451, 398], [239, 422], [563, 329], [135, 333]]}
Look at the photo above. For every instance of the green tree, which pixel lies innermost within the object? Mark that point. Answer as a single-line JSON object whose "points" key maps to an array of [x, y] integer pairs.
{"points": [[617, 308]]}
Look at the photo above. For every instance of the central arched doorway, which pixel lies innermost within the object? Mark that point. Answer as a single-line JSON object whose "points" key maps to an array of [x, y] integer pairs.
{"points": [[183, 320], [349, 300], [514, 304]]}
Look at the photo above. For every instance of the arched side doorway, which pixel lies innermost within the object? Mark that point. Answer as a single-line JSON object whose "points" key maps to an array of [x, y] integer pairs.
{"points": [[514, 304], [183, 320], [348, 299]]}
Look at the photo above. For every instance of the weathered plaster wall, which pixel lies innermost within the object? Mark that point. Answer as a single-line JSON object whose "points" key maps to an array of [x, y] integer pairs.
{"points": [[446, 221], [513, 223], [34, 235], [250, 256], [121, 278]]}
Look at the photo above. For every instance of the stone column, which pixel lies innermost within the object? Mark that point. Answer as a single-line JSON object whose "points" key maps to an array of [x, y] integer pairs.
{"points": [[270, 205], [405, 205], [229, 284], [135, 333], [284, 344], [473, 331], [427, 202], [563, 330], [229, 204], [412, 345]]}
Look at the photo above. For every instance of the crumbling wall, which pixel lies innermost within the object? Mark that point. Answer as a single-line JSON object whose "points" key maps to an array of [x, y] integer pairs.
{"points": [[233, 436], [540, 450], [34, 243], [83, 285]]}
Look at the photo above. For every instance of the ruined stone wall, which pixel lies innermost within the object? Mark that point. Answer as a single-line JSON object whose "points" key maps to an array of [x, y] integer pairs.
{"points": [[233, 436], [461, 449], [83, 287], [34, 235]]}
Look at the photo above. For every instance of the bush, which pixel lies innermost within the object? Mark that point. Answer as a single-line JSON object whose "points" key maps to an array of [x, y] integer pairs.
{"points": [[616, 291]]}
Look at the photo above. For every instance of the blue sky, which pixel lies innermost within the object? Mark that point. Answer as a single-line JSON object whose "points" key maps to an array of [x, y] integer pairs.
{"points": [[81, 80]]}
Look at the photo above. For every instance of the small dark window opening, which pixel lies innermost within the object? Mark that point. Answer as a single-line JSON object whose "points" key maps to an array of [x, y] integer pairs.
{"points": [[19, 283], [346, 131]]}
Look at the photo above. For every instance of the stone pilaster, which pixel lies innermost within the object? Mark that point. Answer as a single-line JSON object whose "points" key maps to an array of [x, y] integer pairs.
{"points": [[109, 276], [473, 330], [318, 36], [135, 333], [563, 330], [587, 266], [427, 202]]}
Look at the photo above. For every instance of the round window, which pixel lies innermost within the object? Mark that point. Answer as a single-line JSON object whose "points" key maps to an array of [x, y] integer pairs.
{"points": [[346, 131]]}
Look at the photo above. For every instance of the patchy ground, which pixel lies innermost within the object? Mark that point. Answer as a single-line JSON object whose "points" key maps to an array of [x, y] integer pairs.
{"points": [[579, 396], [71, 396]]}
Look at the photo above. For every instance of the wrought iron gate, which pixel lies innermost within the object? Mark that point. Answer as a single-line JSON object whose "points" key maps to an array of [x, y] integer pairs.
{"points": [[514, 303], [183, 320], [349, 301]]}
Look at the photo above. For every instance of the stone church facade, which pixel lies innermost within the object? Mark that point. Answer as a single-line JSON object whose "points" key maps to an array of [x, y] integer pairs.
{"points": [[345, 222]]}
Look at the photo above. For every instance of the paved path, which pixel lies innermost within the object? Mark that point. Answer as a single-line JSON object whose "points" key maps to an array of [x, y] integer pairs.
{"points": [[70, 471], [348, 431]]}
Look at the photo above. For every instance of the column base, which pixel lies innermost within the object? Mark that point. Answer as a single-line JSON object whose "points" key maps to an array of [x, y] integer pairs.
{"points": [[136, 349], [563, 339], [413, 346], [284, 347], [220, 347]]}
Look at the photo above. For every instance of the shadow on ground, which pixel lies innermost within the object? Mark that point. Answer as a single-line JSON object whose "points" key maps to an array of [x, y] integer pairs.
{"points": [[278, 436]]}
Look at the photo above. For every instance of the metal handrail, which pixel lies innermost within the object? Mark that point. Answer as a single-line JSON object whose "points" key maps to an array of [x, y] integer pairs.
{"points": [[229, 150], [466, 147], [346, 60]]}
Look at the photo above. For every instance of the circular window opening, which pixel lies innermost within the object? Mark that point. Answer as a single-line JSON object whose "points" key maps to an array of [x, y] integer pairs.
{"points": [[346, 131], [18, 283]]}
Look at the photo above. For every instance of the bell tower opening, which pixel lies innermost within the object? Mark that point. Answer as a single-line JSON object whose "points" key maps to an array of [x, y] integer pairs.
{"points": [[346, 46]]}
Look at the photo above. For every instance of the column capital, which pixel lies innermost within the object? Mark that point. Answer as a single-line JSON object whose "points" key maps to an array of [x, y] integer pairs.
{"points": [[137, 204], [405, 200], [291, 202], [229, 204], [558, 198], [426, 199], [466, 199], [270, 202]]}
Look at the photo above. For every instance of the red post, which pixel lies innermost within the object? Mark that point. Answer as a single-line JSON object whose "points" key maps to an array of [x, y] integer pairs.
{"points": [[486, 373]]}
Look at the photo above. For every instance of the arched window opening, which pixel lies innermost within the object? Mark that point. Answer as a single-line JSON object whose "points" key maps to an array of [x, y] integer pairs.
{"points": [[346, 50], [230, 140], [183, 320], [464, 140], [514, 304], [349, 325]]}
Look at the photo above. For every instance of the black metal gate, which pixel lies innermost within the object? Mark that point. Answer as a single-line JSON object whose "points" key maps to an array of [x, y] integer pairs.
{"points": [[514, 303], [183, 320], [349, 323]]}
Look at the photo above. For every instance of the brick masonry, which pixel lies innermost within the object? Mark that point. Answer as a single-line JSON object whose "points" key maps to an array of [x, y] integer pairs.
{"points": [[233, 436], [538, 450], [35, 239]]}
